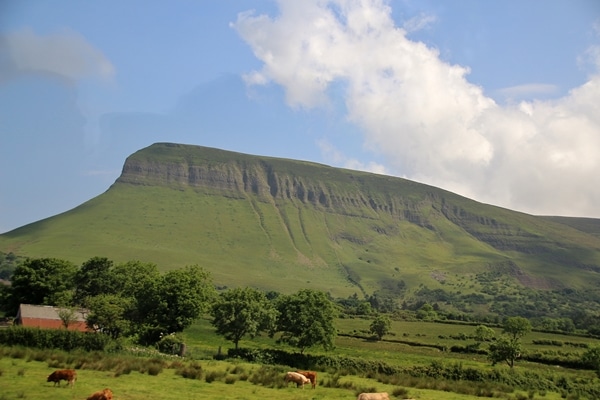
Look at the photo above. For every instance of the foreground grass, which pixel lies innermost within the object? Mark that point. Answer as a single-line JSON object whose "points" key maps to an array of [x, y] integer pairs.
{"points": [[25, 378]]}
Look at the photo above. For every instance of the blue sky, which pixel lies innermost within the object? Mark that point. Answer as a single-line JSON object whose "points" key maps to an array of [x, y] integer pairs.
{"points": [[495, 100]]}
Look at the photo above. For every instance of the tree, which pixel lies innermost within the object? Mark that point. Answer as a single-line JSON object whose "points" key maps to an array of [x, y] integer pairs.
{"points": [[505, 349], [426, 312], [108, 314], [508, 348], [47, 281], [137, 281], [306, 320], [380, 326], [240, 312], [484, 333], [592, 359], [94, 278], [180, 297], [67, 316], [516, 327]]}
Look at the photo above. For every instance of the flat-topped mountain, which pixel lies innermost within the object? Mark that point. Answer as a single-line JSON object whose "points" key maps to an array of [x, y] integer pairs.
{"points": [[280, 224]]}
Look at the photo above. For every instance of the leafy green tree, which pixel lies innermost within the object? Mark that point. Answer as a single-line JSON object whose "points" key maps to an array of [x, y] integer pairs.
{"points": [[180, 297], [508, 348], [592, 359], [94, 277], [108, 314], [137, 281], [426, 312], [306, 320], [516, 327], [505, 349], [364, 308], [132, 278], [67, 316], [380, 326], [240, 312], [484, 333], [47, 281]]}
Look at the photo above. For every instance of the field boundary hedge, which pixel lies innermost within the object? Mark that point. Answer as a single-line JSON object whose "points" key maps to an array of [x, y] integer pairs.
{"points": [[53, 339]]}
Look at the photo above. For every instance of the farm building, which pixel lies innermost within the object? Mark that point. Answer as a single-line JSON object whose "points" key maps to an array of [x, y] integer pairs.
{"points": [[49, 317]]}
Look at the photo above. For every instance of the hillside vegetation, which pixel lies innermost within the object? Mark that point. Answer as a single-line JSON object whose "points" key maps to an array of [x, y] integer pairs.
{"points": [[279, 224]]}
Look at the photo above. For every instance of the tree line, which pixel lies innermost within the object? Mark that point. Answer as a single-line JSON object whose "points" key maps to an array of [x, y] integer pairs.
{"points": [[134, 299]]}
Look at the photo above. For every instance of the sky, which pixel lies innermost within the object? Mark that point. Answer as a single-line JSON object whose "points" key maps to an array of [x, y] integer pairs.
{"points": [[498, 101]]}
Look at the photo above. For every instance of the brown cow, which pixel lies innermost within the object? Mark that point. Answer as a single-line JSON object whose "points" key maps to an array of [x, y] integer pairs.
{"points": [[68, 375], [105, 394], [373, 396], [297, 378], [311, 375]]}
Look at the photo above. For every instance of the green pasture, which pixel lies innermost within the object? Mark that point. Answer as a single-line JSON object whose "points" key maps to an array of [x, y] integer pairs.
{"points": [[24, 376], [21, 378]]}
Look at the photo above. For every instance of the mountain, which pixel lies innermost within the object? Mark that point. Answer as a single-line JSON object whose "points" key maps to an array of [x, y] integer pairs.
{"points": [[280, 224]]}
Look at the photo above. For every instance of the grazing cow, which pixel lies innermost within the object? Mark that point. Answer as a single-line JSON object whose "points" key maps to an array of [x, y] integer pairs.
{"points": [[105, 394], [297, 378], [68, 375], [311, 375], [373, 396]]}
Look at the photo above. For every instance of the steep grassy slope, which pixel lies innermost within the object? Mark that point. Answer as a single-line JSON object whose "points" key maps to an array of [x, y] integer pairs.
{"points": [[284, 224]]}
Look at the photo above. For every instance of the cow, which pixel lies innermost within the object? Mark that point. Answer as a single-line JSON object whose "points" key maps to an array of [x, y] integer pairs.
{"points": [[68, 375], [373, 396], [105, 394], [311, 375], [295, 377]]}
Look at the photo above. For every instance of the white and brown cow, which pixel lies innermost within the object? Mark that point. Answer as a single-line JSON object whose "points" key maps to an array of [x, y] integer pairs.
{"points": [[298, 379], [311, 375]]}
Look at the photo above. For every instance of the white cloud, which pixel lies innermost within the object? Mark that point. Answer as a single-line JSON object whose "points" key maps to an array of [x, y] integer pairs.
{"points": [[65, 54], [420, 22], [527, 91], [424, 116]]}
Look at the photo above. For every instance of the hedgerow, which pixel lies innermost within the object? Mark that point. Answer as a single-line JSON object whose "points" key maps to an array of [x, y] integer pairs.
{"points": [[53, 339]]}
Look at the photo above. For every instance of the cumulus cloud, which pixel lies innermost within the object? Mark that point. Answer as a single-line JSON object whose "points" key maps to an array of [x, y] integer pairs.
{"points": [[423, 115], [64, 54]]}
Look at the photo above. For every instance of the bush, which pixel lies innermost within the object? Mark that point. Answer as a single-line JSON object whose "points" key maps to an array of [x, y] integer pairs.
{"points": [[170, 344]]}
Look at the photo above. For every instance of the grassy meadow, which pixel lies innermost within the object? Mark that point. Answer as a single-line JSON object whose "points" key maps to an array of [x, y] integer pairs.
{"points": [[25, 378], [139, 373]]}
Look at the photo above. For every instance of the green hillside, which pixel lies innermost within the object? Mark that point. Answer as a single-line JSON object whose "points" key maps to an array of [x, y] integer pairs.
{"points": [[281, 224]]}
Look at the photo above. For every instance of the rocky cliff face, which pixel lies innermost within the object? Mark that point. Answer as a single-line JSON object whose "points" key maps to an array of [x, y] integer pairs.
{"points": [[330, 189]]}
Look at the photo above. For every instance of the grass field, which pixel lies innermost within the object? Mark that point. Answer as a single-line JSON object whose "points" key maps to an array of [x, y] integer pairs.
{"points": [[23, 372], [21, 378]]}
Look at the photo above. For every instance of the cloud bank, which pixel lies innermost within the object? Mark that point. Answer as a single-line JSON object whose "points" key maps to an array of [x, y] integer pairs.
{"points": [[64, 54], [423, 115]]}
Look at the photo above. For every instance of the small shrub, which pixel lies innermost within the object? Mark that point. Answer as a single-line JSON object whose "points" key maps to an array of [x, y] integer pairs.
{"points": [[191, 371], [170, 344], [238, 369], [400, 392], [154, 369], [213, 376], [230, 380], [18, 352]]}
